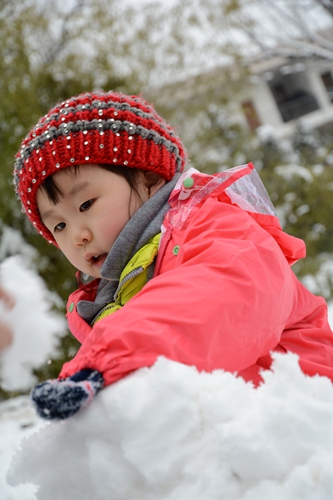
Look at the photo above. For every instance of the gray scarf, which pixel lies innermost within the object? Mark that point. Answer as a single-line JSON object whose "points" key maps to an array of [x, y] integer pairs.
{"points": [[144, 225]]}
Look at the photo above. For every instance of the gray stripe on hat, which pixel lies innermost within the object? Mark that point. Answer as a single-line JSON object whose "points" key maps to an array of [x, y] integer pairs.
{"points": [[100, 125], [110, 104]]}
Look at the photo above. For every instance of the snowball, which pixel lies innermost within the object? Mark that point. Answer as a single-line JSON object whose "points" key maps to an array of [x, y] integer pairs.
{"points": [[36, 328]]}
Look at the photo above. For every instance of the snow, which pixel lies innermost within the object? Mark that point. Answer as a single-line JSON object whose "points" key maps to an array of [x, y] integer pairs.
{"points": [[37, 328], [289, 171], [266, 132], [169, 432], [321, 282], [17, 421]]}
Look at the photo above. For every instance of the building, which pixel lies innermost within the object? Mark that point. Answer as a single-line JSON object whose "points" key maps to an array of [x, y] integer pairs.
{"points": [[276, 92], [285, 91]]}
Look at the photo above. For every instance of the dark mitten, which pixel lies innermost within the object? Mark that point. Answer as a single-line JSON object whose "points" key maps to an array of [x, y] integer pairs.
{"points": [[60, 399]]}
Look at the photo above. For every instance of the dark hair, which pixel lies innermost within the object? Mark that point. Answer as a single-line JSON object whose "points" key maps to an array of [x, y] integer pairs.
{"points": [[55, 194]]}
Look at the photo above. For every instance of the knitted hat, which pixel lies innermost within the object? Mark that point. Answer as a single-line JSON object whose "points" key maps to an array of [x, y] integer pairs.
{"points": [[94, 128]]}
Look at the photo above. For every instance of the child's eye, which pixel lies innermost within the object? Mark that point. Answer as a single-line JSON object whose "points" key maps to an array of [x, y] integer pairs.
{"points": [[59, 227], [86, 205]]}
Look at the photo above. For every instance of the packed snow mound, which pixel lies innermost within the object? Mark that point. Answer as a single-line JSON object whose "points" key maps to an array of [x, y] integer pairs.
{"points": [[171, 433], [36, 328], [17, 420]]}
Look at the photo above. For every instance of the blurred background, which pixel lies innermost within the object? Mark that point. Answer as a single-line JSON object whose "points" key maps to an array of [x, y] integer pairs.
{"points": [[241, 80]]}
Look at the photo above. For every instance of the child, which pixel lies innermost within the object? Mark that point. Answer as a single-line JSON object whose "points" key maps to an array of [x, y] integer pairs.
{"points": [[6, 336], [189, 266]]}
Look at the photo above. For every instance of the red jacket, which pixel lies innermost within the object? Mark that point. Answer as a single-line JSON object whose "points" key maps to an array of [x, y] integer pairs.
{"points": [[223, 295]]}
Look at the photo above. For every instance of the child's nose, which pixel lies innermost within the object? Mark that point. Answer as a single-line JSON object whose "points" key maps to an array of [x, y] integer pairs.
{"points": [[81, 236]]}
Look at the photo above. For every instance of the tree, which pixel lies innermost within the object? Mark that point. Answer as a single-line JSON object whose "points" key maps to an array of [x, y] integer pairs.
{"points": [[297, 29]]}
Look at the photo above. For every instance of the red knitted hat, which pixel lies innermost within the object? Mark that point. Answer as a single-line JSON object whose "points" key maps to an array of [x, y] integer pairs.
{"points": [[95, 128]]}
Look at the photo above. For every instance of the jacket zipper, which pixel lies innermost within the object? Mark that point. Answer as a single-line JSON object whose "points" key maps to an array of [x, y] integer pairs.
{"points": [[128, 277]]}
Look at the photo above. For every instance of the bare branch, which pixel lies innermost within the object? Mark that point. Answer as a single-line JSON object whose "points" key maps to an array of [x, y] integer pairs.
{"points": [[286, 28], [53, 53], [327, 5]]}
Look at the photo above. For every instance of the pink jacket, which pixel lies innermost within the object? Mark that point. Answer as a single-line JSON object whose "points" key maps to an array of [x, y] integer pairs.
{"points": [[223, 295]]}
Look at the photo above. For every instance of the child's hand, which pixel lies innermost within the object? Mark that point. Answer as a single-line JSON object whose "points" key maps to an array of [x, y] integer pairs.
{"points": [[6, 336], [60, 399], [7, 298]]}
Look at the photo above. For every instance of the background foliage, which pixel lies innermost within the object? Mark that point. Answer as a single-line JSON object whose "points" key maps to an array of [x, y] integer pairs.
{"points": [[176, 55]]}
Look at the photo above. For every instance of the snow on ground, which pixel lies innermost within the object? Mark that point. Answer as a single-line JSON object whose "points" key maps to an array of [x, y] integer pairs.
{"points": [[172, 433], [17, 421]]}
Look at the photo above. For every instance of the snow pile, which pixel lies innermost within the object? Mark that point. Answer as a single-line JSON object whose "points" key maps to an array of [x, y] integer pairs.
{"points": [[172, 433], [17, 420], [36, 328]]}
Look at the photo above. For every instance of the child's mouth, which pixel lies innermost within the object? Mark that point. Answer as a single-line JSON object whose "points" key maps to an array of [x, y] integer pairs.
{"points": [[98, 261]]}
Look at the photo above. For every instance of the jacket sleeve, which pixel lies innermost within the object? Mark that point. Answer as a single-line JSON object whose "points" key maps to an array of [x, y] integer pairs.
{"points": [[223, 302]]}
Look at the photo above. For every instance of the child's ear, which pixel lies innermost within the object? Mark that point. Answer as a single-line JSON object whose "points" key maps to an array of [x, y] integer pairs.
{"points": [[153, 182]]}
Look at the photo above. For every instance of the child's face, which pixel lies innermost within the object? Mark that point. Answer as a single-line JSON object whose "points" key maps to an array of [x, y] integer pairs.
{"points": [[87, 220]]}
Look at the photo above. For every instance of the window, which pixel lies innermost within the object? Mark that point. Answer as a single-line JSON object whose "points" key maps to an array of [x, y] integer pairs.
{"points": [[293, 95]]}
